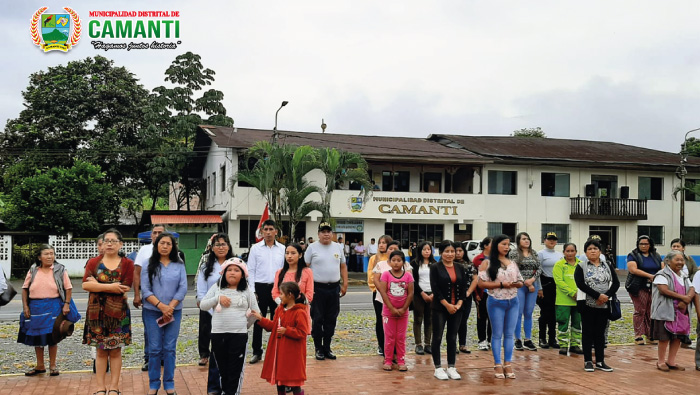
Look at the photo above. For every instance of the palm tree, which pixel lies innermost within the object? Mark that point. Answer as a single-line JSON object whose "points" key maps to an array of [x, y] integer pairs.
{"points": [[340, 167], [268, 173], [297, 189]]}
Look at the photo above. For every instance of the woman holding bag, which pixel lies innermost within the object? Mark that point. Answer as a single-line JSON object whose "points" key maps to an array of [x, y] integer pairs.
{"points": [[642, 264]]}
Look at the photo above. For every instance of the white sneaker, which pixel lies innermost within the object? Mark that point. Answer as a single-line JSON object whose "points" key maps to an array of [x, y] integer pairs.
{"points": [[484, 345], [440, 374], [452, 373]]}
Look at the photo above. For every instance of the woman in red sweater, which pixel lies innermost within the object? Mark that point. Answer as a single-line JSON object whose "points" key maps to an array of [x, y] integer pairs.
{"points": [[285, 358]]}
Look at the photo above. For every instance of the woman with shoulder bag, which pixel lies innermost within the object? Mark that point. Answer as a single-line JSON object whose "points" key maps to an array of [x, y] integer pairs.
{"points": [[642, 264]]}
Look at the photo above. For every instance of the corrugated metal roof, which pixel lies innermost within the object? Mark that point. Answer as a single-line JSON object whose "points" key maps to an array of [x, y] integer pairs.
{"points": [[372, 148], [559, 151], [186, 219]]}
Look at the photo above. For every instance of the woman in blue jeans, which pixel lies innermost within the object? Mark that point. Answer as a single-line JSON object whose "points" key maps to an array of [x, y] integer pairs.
{"points": [[164, 286], [502, 278], [530, 268]]}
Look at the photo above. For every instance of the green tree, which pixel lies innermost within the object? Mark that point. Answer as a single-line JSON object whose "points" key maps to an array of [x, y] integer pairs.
{"points": [[341, 168], [267, 173], [179, 111], [692, 147], [76, 199], [529, 132], [87, 109], [297, 189]]}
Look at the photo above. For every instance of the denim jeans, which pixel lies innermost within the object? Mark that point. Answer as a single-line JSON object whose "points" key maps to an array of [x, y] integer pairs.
{"points": [[503, 315], [526, 301], [162, 343]]}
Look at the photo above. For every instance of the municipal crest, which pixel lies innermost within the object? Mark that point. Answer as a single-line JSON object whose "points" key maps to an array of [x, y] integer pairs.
{"points": [[356, 204], [55, 32]]}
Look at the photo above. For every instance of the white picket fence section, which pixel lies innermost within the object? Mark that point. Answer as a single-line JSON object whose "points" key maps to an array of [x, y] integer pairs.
{"points": [[74, 254], [6, 253]]}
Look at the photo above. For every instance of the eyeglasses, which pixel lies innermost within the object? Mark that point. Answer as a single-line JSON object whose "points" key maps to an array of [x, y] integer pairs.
{"points": [[644, 244], [220, 245], [111, 242]]}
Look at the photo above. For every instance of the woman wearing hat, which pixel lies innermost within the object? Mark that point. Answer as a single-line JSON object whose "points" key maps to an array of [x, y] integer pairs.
{"points": [[46, 294], [163, 286], [108, 328]]}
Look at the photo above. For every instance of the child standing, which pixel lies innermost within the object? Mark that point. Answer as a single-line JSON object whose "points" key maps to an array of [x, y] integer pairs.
{"points": [[285, 358], [396, 287], [233, 300]]}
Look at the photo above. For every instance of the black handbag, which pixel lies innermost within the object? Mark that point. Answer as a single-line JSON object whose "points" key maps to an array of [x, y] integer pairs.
{"points": [[634, 284], [8, 294], [615, 309]]}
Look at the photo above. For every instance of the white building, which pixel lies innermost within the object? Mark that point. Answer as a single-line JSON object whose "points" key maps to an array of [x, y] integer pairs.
{"points": [[463, 187]]}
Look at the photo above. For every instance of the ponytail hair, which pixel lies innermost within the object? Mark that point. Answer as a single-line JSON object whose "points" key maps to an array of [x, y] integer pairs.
{"points": [[293, 288]]}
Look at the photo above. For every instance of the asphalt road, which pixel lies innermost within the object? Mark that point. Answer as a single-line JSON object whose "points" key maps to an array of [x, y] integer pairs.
{"points": [[358, 297]]}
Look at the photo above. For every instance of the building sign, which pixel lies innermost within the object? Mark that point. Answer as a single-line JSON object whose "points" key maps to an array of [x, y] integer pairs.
{"points": [[411, 205], [349, 226]]}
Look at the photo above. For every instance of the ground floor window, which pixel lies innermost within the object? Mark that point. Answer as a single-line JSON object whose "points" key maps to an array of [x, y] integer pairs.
{"points": [[562, 231], [407, 234], [507, 228], [655, 232], [691, 235], [463, 232]]}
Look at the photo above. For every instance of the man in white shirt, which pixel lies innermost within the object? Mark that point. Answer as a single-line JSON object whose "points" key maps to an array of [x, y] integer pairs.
{"points": [[327, 262], [372, 247], [142, 258], [264, 259]]}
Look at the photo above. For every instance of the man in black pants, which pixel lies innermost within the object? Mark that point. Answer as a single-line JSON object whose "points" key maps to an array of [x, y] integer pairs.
{"points": [[264, 259], [548, 257], [327, 262]]}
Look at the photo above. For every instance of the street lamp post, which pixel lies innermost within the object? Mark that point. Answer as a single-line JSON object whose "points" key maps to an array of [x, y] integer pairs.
{"points": [[274, 131], [682, 170]]}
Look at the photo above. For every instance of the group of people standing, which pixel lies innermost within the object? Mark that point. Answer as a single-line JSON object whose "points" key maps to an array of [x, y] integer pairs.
{"points": [[299, 288]]}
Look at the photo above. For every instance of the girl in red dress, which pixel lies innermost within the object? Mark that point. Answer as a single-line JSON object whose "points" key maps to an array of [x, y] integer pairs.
{"points": [[285, 358]]}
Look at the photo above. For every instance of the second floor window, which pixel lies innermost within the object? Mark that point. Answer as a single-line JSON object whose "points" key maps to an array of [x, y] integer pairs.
{"points": [[555, 184], [398, 181], [651, 188], [502, 182]]}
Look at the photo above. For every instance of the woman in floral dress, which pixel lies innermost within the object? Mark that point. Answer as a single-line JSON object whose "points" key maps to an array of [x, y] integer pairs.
{"points": [[108, 326]]}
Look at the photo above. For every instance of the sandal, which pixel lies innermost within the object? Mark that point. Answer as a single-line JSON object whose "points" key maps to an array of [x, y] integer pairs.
{"points": [[508, 369], [34, 372], [99, 392], [117, 391], [676, 367], [54, 372], [464, 349], [203, 361], [403, 368], [498, 369], [387, 367], [663, 367]]}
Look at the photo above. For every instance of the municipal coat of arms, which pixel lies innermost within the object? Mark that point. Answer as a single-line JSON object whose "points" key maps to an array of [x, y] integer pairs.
{"points": [[58, 32]]}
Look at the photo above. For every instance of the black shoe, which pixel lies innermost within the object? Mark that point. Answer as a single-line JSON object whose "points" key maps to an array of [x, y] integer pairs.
{"points": [[519, 345], [588, 367], [553, 344], [319, 355], [419, 350], [329, 354], [544, 344], [144, 367], [562, 351], [576, 350], [602, 366], [529, 345], [426, 349], [380, 351], [256, 358]]}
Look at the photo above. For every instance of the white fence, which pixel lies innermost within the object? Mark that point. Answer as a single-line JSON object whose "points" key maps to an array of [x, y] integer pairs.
{"points": [[74, 254], [6, 253]]}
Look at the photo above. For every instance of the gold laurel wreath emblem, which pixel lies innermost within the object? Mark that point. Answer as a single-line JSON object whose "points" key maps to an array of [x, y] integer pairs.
{"points": [[34, 30], [36, 36]]}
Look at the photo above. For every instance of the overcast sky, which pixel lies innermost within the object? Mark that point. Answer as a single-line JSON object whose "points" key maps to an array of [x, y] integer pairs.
{"points": [[623, 71]]}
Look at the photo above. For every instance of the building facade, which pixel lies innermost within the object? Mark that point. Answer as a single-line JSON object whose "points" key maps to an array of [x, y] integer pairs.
{"points": [[463, 187]]}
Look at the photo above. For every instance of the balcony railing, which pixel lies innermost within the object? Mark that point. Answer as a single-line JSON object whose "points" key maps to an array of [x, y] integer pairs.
{"points": [[606, 208]]}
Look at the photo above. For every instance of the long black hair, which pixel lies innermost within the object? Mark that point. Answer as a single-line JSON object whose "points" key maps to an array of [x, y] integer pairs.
{"points": [[418, 259], [293, 288], [209, 266], [154, 260], [652, 247], [495, 257], [301, 265]]}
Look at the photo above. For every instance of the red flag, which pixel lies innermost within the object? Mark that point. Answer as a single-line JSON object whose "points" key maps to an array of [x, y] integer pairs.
{"points": [[258, 231]]}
